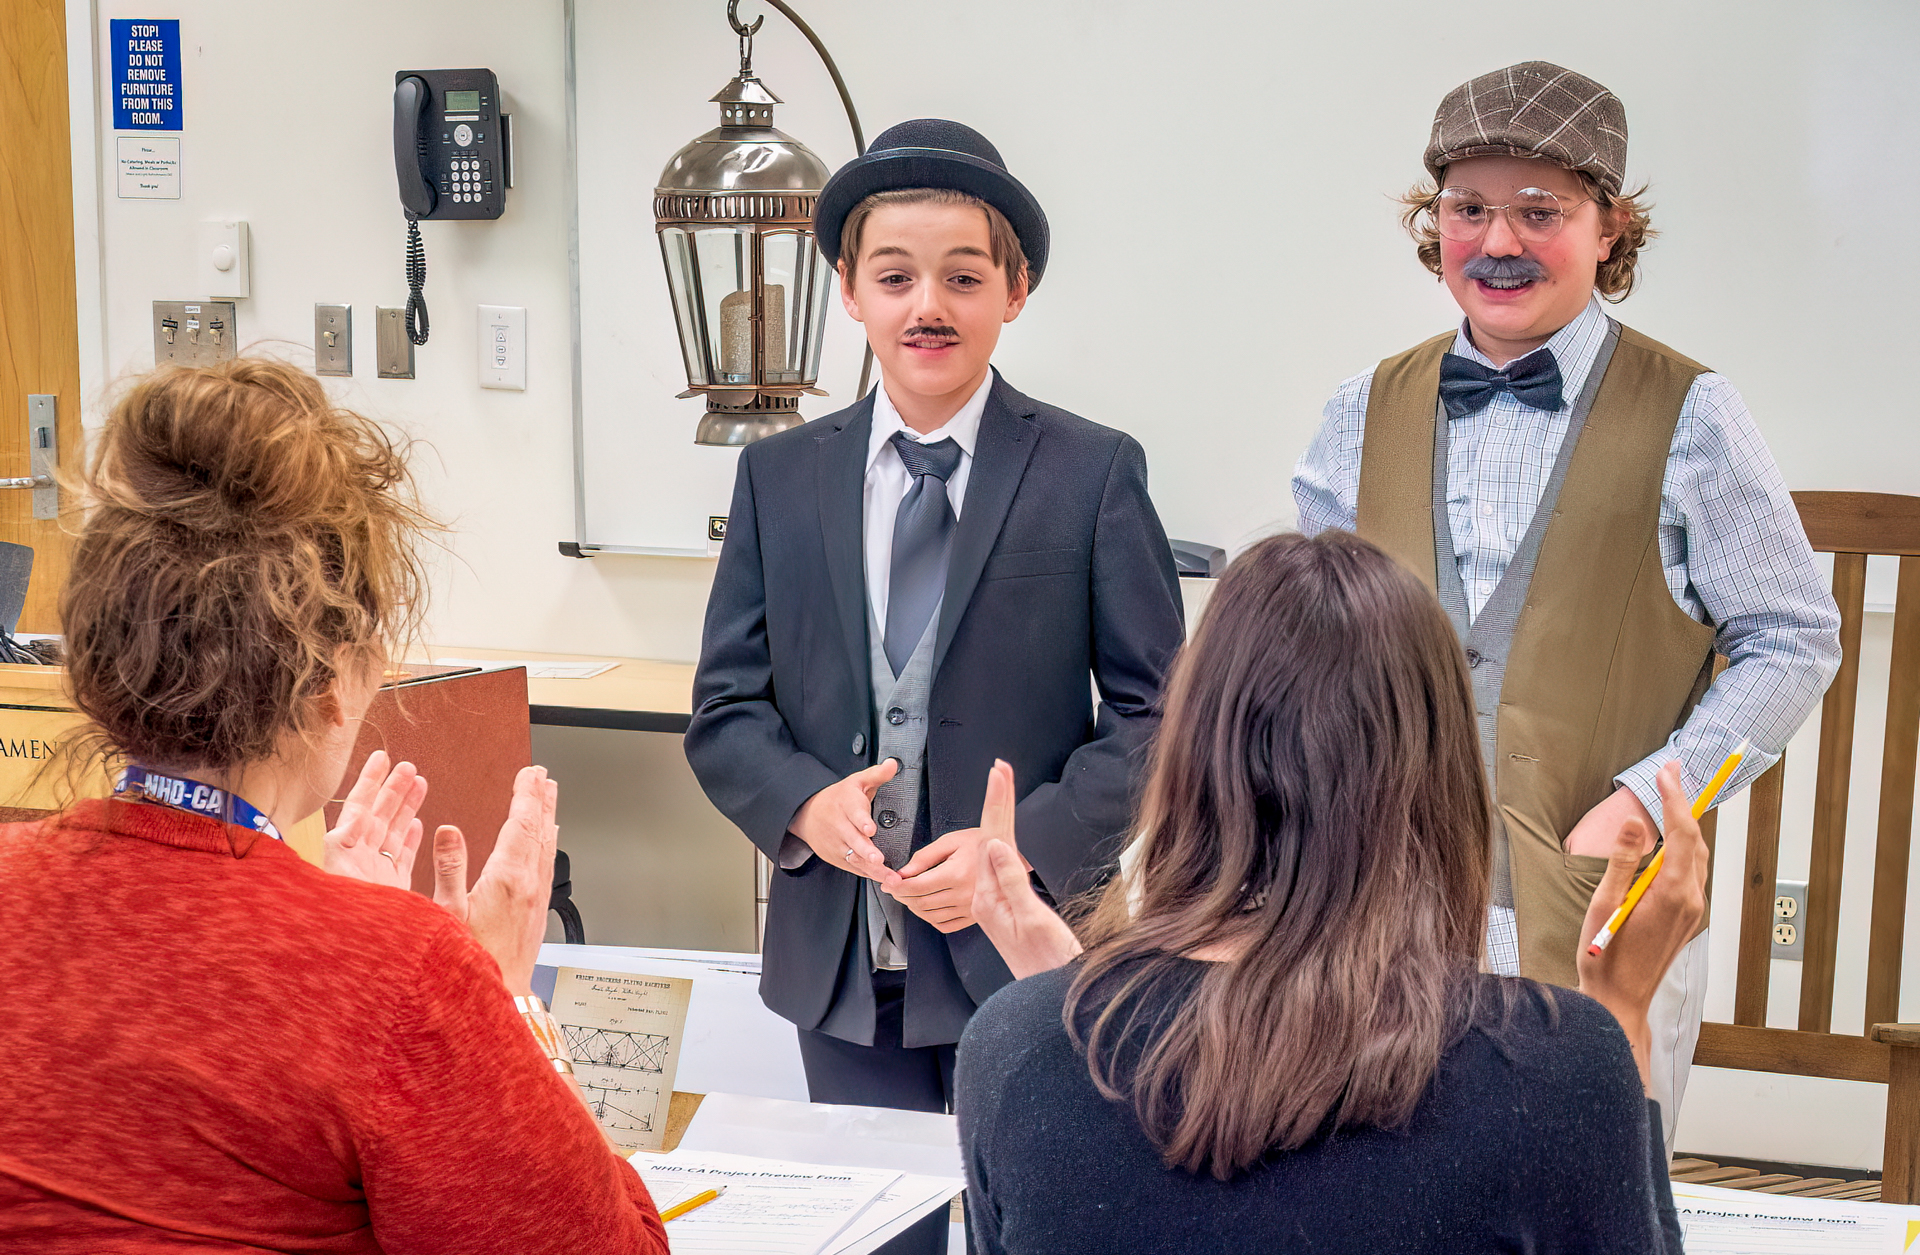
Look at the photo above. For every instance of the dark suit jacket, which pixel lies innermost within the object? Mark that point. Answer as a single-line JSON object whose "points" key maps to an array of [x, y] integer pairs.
{"points": [[1059, 569]]}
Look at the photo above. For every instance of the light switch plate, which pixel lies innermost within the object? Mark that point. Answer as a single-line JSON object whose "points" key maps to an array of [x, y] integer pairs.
{"points": [[333, 339], [503, 347], [222, 267], [1790, 920], [193, 333], [393, 349]]}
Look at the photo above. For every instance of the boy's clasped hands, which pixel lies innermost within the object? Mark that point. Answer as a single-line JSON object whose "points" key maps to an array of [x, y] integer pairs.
{"points": [[939, 882]]}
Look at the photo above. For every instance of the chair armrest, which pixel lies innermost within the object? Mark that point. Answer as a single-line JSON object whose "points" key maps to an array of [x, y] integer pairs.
{"points": [[1896, 1034]]}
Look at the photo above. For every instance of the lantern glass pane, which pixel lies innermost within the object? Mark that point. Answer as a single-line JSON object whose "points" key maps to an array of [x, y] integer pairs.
{"points": [[783, 304], [819, 286], [726, 296], [676, 250]]}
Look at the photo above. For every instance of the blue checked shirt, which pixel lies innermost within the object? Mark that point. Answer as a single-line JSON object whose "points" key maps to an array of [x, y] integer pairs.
{"points": [[1731, 542]]}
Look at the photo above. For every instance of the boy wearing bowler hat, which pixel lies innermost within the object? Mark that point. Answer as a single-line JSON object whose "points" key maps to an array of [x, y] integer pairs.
{"points": [[933, 578], [1598, 514]]}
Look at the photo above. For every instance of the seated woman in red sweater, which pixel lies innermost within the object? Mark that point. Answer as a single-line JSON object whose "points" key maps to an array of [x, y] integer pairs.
{"points": [[208, 1044], [1277, 1038]]}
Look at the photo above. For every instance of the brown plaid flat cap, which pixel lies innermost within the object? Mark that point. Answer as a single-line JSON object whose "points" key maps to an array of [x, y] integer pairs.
{"points": [[1534, 109]]}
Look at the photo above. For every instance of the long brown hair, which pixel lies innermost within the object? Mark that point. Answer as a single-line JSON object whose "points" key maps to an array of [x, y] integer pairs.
{"points": [[1317, 801], [245, 537]]}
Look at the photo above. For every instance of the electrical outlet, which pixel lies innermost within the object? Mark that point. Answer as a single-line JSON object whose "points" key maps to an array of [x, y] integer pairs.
{"points": [[193, 333], [1789, 920]]}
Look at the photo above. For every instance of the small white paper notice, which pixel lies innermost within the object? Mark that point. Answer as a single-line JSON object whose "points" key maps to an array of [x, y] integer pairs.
{"points": [[149, 167]]}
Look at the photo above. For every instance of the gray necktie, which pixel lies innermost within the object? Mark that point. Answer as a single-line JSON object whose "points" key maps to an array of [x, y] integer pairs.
{"points": [[922, 534]]}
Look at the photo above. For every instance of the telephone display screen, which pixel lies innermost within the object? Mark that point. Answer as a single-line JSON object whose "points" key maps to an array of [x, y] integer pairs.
{"points": [[463, 102]]}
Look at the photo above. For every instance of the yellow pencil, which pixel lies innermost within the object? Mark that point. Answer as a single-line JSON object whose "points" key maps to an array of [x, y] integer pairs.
{"points": [[686, 1205], [1700, 805]]}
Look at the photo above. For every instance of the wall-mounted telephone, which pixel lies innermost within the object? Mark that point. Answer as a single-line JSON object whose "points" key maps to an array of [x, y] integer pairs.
{"points": [[452, 155]]}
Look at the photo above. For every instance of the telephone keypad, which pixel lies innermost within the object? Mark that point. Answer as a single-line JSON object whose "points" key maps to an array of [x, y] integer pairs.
{"points": [[467, 179]]}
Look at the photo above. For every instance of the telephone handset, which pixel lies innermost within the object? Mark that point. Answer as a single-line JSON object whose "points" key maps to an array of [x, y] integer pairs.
{"points": [[452, 157]]}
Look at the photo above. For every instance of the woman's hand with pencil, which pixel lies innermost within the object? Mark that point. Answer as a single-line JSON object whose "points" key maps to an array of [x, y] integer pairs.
{"points": [[1624, 975]]}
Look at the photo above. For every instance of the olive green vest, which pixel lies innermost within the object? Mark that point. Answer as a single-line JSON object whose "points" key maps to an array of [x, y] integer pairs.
{"points": [[1603, 666]]}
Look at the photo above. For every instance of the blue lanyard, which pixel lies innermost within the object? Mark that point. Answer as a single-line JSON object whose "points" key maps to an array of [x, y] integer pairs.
{"points": [[143, 784]]}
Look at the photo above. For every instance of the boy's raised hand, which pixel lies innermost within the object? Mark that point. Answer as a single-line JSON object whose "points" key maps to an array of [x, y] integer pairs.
{"points": [[837, 822]]}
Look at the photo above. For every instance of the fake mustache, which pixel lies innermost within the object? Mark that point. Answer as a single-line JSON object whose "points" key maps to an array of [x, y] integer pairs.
{"points": [[942, 330], [1504, 269]]}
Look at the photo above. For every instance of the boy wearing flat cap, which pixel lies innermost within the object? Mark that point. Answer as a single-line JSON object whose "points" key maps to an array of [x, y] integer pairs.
{"points": [[1598, 514], [911, 588]]}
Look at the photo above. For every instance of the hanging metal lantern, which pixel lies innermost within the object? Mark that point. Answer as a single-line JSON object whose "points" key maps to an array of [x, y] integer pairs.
{"points": [[734, 212]]}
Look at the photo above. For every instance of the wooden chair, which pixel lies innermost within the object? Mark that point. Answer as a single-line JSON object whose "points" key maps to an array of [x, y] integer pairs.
{"points": [[1850, 526]]}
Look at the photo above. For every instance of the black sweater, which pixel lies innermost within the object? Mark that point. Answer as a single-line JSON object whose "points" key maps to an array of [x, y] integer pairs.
{"points": [[1535, 1136]]}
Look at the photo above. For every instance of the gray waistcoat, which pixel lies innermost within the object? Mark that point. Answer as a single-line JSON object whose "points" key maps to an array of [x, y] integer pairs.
{"points": [[1489, 637], [899, 807]]}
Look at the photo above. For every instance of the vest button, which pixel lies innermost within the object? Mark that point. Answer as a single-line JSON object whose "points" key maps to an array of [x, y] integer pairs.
{"points": [[896, 716], [888, 819], [1473, 657], [859, 742]]}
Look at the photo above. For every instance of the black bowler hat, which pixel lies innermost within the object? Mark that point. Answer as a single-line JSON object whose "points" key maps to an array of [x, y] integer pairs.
{"points": [[932, 152]]}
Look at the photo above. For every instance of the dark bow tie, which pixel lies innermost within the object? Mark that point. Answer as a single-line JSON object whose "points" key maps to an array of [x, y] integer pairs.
{"points": [[1467, 387]]}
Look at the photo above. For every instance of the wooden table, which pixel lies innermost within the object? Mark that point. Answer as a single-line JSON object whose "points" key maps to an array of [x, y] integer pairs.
{"points": [[638, 695]]}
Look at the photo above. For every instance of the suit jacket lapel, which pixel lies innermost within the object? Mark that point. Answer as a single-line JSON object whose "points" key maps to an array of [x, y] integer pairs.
{"points": [[841, 470], [1007, 437]]}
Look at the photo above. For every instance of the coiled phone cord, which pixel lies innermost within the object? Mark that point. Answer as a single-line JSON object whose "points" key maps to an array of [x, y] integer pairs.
{"points": [[416, 280]]}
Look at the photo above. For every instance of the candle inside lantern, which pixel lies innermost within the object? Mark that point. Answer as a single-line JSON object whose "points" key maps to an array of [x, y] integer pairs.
{"points": [[736, 332]]}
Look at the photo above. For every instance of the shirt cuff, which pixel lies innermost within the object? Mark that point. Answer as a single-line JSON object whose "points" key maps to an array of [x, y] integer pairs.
{"points": [[794, 853], [1643, 779]]}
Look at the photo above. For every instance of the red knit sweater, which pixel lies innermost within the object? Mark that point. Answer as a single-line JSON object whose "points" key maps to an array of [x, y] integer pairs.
{"points": [[207, 1044]]}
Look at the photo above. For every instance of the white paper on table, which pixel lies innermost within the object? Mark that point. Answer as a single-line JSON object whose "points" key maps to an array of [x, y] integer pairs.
{"points": [[900, 1206], [1718, 1221], [926, 1144], [731, 1043], [922, 1142], [771, 1207], [537, 668]]}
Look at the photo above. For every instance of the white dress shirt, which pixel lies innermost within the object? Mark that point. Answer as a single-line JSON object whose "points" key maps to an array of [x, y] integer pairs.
{"points": [[888, 483]]}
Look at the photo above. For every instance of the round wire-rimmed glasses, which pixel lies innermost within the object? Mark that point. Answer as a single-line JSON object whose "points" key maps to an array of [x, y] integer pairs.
{"points": [[1535, 215]]}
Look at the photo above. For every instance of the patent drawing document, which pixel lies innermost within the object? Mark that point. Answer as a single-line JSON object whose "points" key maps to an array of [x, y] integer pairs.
{"points": [[624, 1033]]}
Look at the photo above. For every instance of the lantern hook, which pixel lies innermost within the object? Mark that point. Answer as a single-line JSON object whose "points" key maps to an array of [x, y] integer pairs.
{"points": [[746, 31]]}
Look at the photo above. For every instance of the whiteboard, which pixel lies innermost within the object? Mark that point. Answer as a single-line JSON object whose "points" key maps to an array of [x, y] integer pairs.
{"points": [[1220, 180]]}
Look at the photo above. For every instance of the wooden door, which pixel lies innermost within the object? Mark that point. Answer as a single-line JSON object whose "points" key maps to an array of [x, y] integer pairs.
{"points": [[39, 319]]}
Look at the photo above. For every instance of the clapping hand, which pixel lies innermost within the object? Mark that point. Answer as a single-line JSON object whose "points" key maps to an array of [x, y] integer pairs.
{"points": [[377, 835], [506, 910], [1624, 976], [1030, 936]]}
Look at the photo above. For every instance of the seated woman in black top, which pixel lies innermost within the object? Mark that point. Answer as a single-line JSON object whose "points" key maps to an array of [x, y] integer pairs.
{"points": [[1278, 1037]]}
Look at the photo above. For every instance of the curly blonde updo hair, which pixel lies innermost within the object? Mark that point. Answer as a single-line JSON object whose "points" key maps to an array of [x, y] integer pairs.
{"points": [[1616, 276], [246, 539]]}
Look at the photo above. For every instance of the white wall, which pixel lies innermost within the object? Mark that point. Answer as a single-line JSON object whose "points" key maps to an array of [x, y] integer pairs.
{"points": [[1784, 153]]}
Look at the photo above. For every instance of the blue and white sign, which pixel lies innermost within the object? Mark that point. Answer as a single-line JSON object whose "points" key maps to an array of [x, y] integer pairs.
{"points": [[146, 74]]}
